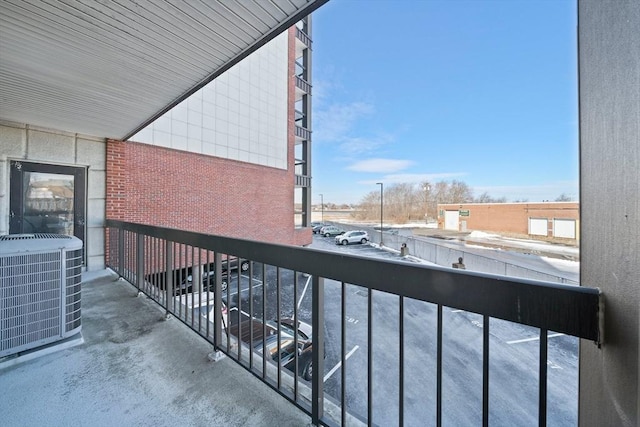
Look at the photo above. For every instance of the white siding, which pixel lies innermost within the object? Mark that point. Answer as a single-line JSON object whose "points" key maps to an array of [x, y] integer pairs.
{"points": [[241, 115]]}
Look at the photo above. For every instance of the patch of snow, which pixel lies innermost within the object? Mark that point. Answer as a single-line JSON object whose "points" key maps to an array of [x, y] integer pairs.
{"points": [[482, 235]]}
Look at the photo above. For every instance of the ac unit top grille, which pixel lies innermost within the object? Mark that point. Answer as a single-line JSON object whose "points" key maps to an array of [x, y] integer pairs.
{"points": [[12, 237], [19, 243]]}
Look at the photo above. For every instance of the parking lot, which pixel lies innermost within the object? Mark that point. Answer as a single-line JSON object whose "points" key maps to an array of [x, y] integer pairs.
{"points": [[514, 351]]}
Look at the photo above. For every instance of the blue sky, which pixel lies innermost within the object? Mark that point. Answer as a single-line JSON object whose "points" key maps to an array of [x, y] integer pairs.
{"points": [[482, 91]]}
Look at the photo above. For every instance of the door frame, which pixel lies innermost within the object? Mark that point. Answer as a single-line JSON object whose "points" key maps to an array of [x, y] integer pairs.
{"points": [[16, 192]]}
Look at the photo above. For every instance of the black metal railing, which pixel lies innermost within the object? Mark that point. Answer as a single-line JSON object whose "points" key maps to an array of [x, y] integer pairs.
{"points": [[303, 85], [303, 133], [303, 37], [396, 312]]}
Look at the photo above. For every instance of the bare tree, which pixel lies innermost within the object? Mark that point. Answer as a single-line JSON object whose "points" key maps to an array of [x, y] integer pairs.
{"points": [[460, 192], [369, 206], [405, 202], [564, 198], [486, 198], [400, 202]]}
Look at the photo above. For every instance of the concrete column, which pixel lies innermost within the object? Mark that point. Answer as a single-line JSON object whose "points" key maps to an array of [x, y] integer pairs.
{"points": [[609, 77]]}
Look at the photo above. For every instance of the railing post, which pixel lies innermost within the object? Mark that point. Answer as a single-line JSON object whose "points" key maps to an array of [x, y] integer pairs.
{"points": [[217, 302], [168, 279], [485, 370], [542, 393], [139, 260], [317, 381], [121, 252]]}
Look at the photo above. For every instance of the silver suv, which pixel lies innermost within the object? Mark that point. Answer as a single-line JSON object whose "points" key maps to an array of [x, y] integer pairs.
{"points": [[355, 236]]}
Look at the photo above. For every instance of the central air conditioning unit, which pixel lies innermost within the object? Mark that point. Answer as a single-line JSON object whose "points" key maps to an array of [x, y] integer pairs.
{"points": [[40, 276]]}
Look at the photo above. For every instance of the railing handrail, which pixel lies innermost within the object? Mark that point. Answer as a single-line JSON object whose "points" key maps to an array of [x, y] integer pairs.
{"points": [[556, 307]]}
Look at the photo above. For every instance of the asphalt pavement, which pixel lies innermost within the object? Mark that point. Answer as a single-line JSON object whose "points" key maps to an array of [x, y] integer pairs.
{"points": [[514, 352]]}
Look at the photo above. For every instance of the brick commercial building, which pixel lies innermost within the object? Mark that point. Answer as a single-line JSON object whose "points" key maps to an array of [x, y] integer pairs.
{"points": [[558, 220]]}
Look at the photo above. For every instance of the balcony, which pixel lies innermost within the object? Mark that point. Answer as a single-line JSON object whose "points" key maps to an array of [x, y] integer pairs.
{"points": [[302, 134], [302, 87], [145, 347], [303, 37], [303, 181], [133, 366], [331, 290]]}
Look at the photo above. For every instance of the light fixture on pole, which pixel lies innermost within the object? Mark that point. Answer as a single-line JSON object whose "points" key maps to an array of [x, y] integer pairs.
{"points": [[381, 208], [427, 193], [321, 209]]}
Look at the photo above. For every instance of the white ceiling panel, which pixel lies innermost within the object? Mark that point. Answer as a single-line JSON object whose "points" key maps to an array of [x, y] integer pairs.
{"points": [[107, 68]]}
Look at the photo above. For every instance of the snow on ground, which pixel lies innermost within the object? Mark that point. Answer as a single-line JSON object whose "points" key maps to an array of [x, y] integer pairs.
{"points": [[533, 245], [563, 264]]}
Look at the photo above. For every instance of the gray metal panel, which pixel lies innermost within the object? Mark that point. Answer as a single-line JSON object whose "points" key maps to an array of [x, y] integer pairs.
{"points": [[609, 65], [108, 68]]}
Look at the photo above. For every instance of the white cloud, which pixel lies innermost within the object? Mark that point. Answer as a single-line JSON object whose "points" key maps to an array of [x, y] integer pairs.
{"points": [[335, 122], [380, 165], [359, 146]]}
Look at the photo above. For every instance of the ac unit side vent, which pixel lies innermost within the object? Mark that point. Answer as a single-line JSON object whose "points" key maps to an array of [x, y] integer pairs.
{"points": [[40, 291]]}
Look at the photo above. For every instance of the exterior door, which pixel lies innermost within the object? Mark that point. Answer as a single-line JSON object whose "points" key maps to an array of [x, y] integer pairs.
{"points": [[538, 226], [452, 220], [565, 228], [47, 199]]}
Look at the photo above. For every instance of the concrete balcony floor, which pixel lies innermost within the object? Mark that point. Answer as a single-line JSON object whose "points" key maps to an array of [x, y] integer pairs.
{"points": [[134, 368]]}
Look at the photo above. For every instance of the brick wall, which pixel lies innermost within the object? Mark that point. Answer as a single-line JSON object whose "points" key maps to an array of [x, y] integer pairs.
{"points": [[170, 188], [510, 217]]}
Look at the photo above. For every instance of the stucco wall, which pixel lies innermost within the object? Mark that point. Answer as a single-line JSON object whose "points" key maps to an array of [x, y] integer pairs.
{"points": [[28, 143]]}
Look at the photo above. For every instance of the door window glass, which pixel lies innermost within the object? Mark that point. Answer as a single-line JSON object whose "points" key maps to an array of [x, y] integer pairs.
{"points": [[48, 203]]}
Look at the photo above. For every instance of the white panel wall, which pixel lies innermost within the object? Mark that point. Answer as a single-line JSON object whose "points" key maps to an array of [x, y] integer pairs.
{"points": [[241, 115], [20, 142]]}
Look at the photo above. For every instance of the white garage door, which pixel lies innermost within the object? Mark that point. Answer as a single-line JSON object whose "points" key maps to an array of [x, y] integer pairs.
{"points": [[565, 228], [538, 226], [451, 219]]}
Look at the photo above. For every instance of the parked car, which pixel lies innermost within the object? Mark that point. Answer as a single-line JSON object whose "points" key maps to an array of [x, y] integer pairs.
{"points": [[231, 263], [208, 275], [253, 328], [316, 227], [355, 236], [208, 282], [200, 304], [330, 230]]}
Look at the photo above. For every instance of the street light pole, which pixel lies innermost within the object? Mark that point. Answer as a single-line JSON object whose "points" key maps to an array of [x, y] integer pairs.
{"points": [[381, 208], [321, 209], [427, 192]]}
